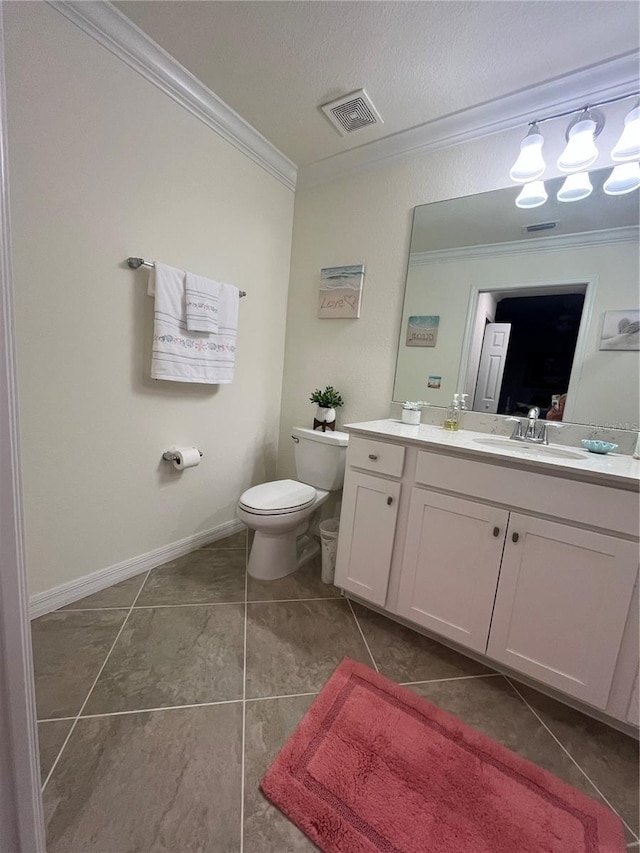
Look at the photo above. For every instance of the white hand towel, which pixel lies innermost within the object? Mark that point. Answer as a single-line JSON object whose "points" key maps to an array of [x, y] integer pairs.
{"points": [[202, 296], [183, 356]]}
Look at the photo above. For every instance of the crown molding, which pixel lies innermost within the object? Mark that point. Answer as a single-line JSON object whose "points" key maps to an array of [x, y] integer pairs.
{"points": [[113, 30], [610, 236], [571, 91]]}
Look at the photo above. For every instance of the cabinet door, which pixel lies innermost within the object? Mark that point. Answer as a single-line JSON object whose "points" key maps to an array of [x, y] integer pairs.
{"points": [[367, 531], [450, 566], [562, 604]]}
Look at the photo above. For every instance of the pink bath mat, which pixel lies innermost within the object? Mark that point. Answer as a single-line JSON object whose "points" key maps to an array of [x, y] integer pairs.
{"points": [[373, 767]]}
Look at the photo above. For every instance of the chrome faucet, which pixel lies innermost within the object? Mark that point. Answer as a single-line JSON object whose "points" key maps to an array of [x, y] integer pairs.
{"points": [[532, 430], [532, 416]]}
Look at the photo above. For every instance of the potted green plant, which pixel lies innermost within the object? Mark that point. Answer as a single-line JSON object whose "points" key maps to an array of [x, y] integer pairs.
{"points": [[327, 402]]}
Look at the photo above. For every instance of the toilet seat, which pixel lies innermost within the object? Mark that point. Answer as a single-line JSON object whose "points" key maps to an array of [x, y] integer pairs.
{"points": [[277, 498]]}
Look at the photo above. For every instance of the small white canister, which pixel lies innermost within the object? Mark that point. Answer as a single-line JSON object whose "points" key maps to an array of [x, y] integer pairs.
{"points": [[411, 415]]}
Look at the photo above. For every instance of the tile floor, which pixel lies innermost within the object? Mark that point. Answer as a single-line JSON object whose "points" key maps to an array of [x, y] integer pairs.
{"points": [[164, 698]]}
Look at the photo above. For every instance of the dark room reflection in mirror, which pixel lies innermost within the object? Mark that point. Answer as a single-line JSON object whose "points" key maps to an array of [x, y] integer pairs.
{"points": [[520, 298], [531, 365]]}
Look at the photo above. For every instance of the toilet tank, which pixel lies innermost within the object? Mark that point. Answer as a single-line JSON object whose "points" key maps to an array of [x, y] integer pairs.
{"points": [[320, 457]]}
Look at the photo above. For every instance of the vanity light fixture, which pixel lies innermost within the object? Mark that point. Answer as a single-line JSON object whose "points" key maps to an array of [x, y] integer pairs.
{"points": [[624, 179], [575, 187], [628, 146], [532, 195], [581, 151], [529, 166]]}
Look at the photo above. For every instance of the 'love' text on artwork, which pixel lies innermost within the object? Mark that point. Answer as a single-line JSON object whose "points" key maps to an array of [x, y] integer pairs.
{"points": [[327, 302]]}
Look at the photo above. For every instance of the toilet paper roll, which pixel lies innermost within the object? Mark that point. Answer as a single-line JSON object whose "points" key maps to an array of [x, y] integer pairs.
{"points": [[186, 457]]}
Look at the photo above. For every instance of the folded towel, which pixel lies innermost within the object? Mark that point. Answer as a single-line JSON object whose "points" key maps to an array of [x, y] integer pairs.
{"points": [[183, 356], [202, 303]]}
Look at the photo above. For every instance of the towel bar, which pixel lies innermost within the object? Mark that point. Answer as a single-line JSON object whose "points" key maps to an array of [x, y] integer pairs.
{"points": [[136, 263]]}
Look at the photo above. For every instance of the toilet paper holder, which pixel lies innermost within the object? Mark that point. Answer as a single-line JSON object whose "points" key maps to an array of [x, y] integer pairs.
{"points": [[170, 455]]}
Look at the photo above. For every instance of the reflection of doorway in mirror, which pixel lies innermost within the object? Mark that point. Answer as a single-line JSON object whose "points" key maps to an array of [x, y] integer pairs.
{"points": [[525, 358]]}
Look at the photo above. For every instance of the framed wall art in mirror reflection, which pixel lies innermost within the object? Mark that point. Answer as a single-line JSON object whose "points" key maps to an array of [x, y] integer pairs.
{"points": [[340, 292], [422, 331], [621, 330]]}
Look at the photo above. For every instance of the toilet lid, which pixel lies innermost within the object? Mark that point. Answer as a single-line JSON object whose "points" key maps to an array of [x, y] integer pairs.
{"points": [[278, 496]]}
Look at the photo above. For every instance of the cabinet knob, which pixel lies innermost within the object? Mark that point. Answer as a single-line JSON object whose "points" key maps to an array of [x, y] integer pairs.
{"points": [[373, 456], [496, 531], [515, 537], [389, 500]]}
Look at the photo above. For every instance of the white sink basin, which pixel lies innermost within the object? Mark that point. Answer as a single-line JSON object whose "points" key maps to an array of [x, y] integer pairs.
{"points": [[531, 449]]}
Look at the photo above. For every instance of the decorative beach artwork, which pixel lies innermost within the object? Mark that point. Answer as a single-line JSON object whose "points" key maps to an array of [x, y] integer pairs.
{"points": [[434, 382], [621, 330], [340, 292], [422, 331]]}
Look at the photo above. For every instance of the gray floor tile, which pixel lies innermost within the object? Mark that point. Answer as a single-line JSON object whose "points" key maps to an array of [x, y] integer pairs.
{"points": [[305, 583], [68, 651], [119, 595], [160, 782], [293, 647], [173, 656], [237, 541], [51, 736], [609, 758], [494, 708], [202, 577], [404, 655], [269, 724]]}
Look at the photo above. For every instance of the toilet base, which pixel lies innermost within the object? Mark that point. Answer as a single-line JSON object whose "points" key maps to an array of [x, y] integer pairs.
{"points": [[276, 556]]}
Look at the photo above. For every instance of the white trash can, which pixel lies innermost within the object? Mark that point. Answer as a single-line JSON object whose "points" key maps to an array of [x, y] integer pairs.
{"points": [[329, 545]]}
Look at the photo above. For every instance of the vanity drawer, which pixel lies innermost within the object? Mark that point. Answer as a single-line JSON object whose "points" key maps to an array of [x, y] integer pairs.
{"points": [[376, 456], [586, 504]]}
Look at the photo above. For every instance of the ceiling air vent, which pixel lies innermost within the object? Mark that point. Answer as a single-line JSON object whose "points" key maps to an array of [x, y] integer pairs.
{"points": [[542, 226], [352, 112]]}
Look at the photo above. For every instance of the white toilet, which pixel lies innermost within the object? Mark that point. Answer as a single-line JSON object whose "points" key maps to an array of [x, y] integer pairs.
{"points": [[279, 511]]}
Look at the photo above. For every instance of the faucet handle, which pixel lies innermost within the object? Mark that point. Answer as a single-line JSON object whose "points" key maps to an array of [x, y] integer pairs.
{"points": [[517, 429], [534, 412], [543, 434]]}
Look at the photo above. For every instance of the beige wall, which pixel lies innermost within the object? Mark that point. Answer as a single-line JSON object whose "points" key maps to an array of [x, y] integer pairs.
{"points": [[366, 218], [103, 166]]}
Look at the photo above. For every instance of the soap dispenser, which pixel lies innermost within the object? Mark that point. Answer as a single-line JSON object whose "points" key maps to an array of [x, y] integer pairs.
{"points": [[463, 408], [452, 416]]}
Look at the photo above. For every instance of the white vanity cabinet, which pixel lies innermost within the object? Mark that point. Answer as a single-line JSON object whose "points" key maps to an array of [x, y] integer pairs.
{"points": [[368, 519], [561, 605], [531, 568], [451, 565]]}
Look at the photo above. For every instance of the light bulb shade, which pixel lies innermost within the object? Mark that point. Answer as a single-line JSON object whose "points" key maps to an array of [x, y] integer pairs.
{"points": [[575, 187], [628, 146], [624, 179], [581, 150], [529, 164], [532, 195]]}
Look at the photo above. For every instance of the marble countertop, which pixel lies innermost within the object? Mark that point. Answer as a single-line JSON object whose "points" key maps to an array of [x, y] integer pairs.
{"points": [[612, 469]]}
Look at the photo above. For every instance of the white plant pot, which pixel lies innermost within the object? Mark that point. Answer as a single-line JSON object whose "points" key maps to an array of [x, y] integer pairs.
{"points": [[411, 416], [325, 415]]}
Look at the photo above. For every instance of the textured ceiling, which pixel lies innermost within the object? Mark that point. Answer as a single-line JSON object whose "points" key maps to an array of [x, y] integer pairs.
{"points": [[276, 62]]}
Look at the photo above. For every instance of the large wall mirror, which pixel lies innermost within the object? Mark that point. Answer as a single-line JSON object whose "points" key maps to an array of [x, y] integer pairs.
{"points": [[519, 308]]}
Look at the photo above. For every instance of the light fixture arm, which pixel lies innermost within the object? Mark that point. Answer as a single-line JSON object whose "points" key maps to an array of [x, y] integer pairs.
{"points": [[586, 108]]}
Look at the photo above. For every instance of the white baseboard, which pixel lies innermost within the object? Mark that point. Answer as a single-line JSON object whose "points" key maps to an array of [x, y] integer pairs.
{"points": [[67, 593]]}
